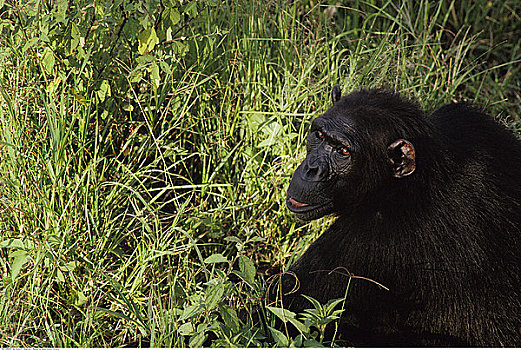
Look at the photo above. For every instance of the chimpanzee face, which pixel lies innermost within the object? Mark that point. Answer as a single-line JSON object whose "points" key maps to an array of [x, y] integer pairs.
{"points": [[329, 156], [338, 166]]}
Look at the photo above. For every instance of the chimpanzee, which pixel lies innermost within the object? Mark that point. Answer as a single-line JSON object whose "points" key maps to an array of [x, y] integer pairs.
{"points": [[427, 206]]}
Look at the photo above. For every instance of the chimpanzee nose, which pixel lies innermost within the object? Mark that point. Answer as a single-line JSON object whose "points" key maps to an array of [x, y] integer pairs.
{"points": [[314, 170]]}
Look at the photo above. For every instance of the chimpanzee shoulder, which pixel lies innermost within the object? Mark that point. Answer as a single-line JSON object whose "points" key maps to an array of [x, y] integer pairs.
{"points": [[470, 132]]}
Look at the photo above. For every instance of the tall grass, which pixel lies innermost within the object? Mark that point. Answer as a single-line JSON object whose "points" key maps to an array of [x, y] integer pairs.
{"points": [[111, 225]]}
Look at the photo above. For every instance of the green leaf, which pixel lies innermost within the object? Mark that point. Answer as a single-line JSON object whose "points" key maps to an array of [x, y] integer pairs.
{"points": [[253, 121], [233, 239], [175, 17], [229, 316], [191, 311], [273, 132], [179, 48], [53, 85], [71, 266], [281, 313], [60, 9], [20, 258], [328, 319], [147, 40], [214, 294], [59, 276], [197, 340], [128, 107], [12, 243], [117, 314], [331, 304], [215, 259], [75, 37], [312, 343], [81, 299], [146, 59], [135, 75], [186, 328], [165, 67], [280, 339], [154, 75], [191, 9], [48, 60], [247, 268], [313, 301], [30, 43], [104, 90], [296, 342], [288, 316]]}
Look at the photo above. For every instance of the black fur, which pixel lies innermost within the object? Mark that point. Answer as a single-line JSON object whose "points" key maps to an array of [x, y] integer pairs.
{"points": [[445, 240]]}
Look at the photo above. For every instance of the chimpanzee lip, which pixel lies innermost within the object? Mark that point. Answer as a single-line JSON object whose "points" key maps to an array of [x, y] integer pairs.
{"points": [[296, 203], [299, 207]]}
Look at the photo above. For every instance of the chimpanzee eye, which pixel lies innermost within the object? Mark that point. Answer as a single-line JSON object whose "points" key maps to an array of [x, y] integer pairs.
{"points": [[319, 134], [344, 151]]}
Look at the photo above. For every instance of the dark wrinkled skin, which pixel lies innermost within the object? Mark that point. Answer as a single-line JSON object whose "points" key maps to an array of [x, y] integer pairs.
{"points": [[444, 235]]}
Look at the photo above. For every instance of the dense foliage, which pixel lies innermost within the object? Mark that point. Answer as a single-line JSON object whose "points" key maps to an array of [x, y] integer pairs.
{"points": [[145, 148]]}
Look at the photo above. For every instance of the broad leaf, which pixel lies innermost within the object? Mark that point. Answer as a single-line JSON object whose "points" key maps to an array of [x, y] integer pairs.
{"points": [[20, 258], [280, 339], [288, 316], [197, 340], [214, 294], [186, 328], [229, 316], [247, 269], [147, 40], [191, 311], [48, 60], [215, 259]]}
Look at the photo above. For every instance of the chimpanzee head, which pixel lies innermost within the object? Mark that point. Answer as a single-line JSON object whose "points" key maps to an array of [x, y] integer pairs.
{"points": [[354, 151]]}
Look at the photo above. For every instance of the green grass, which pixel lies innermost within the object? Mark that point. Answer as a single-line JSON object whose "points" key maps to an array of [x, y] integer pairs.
{"points": [[111, 206]]}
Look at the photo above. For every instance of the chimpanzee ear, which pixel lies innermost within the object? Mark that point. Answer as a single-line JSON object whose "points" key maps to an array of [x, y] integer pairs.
{"points": [[336, 93], [402, 156]]}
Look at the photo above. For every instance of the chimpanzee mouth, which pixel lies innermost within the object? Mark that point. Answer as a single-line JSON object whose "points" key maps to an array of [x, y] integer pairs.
{"points": [[301, 208], [296, 204]]}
